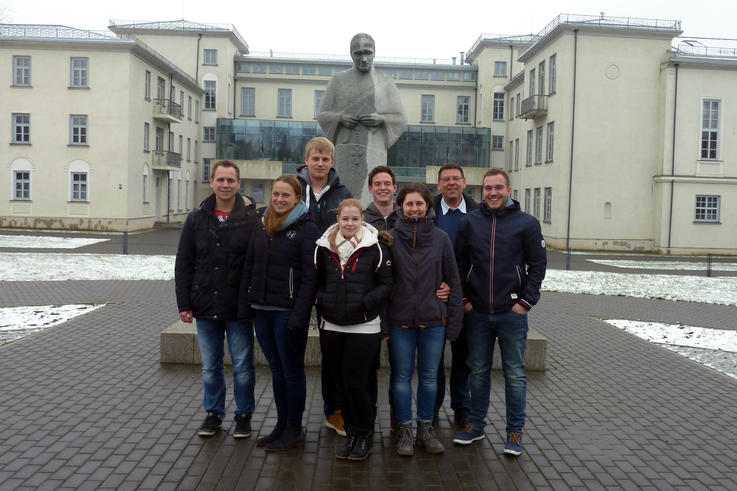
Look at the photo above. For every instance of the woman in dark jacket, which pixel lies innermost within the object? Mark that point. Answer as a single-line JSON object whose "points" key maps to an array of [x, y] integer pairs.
{"points": [[355, 279], [422, 259], [278, 291]]}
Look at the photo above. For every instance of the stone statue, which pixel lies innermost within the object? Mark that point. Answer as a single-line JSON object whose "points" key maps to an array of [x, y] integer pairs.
{"points": [[362, 114]]}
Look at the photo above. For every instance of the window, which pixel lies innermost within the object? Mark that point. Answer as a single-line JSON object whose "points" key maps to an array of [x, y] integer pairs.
{"points": [[511, 155], [21, 128], [179, 194], [437, 75], [181, 145], [171, 141], [189, 149], [145, 184], [422, 74], [181, 100], [707, 208], [292, 69], [319, 94], [514, 195], [211, 57], [159, 141], [206, 170], [469, 76], [78, 129], [541, 77], [547, 208], [146, 136], [536, 205], [309, 69], [196, 151], [516, 154], [284, 109], [186, 193], [464, 104], [500, 68], [79, 76], [527, 200], [325, 70], [528, 158], [208, 134], [549, 147], [511, 108], [248, 101], [210, 88], [22, 184], [710, 130], [539, 145], [79, 186], [452, 77], [189, 108], [405, 73], [519, 102], [552, 75], [197, 111], [532, 83], [147, 86], [160, 88], [22, 71], [259, 68], [498, 107], [427, 109], [497, 142]]}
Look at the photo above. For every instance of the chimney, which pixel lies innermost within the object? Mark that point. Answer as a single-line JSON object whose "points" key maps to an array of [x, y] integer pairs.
{"points": [[454, 60], [462, 60]]}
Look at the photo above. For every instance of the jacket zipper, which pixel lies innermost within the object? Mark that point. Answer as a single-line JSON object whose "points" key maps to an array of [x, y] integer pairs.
{"points": [[519, 274], [291, 283], [491, 265]]}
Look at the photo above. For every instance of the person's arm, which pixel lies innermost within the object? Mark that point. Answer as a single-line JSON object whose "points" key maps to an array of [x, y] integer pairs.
{"points": [[455, 299], [244, 308], [184, 268], [536, 261], [463, 258], [300, 316]]}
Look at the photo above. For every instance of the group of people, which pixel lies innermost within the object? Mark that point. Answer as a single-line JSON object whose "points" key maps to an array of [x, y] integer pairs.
{"points": [[414, 272]]}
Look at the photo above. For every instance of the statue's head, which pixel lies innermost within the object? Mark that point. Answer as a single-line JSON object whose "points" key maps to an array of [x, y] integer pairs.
{"points": [[362, 52]]}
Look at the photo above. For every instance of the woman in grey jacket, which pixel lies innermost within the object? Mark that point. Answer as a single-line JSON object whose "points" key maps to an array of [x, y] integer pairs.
{"points": [[422, 259]]}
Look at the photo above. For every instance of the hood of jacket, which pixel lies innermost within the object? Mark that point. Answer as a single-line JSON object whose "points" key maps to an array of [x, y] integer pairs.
{"points": [[512, 205], [416, 232], [304, 176], [369, 236], [372, 212]]}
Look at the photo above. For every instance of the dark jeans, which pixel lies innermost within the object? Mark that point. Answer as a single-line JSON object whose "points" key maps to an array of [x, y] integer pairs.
{"points": [[284, 349], [510, 329], [330, 397], [460, 376], [351, 359]]}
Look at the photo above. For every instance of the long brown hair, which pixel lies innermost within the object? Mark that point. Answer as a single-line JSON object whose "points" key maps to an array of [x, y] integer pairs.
{"points": [[272, 221]]}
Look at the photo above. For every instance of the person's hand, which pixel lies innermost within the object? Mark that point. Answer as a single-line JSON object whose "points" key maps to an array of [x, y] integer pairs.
{"points": [[372, 119], [443, 292], [518, 309], [186, 316], [467, 307], [348, 121]]}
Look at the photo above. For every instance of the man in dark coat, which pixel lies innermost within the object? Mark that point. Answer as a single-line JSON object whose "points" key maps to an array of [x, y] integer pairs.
{"points": [[450, 206], [209, 264]]}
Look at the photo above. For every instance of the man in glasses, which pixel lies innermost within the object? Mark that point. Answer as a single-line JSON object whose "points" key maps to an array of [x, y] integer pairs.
{"points": [[450, 206]]}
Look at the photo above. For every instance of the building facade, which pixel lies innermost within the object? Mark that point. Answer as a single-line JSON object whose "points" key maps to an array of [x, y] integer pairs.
{"points": [[615, 132]]}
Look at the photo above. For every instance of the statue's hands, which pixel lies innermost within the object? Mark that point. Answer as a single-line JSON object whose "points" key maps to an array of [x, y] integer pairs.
{"points": [[372, 119], [348, 121]]}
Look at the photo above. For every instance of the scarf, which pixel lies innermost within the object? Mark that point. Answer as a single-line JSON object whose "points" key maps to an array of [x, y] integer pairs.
{"points": [[346, 247]]}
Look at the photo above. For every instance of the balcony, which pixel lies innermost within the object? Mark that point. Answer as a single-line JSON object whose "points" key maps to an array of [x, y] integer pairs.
{"points": [[164, 160], [534, 106], [167, 110]]}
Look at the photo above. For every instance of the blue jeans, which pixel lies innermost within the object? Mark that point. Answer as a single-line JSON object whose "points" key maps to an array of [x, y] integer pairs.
{"points": [[429, 344], [284, 349], [210, 336], [510, 328]]}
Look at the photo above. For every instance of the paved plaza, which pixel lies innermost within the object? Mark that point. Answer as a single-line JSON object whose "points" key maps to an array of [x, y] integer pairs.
{"points": [[87, 405]]}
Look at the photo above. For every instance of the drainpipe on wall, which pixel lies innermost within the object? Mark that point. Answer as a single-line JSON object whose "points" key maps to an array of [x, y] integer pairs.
{"points": [[673, 161], [570, 170], [197, 58], [235, 83]]}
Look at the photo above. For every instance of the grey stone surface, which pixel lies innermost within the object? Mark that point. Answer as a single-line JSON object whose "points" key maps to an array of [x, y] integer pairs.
{"points": [[179, 339], [362, 114]]}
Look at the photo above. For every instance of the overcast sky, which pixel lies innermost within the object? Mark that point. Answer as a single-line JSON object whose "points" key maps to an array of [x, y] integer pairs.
{"points": [[427, 29]]}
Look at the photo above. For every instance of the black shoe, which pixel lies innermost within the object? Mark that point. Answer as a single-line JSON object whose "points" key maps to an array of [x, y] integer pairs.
{"points": [[211, 424], [460, 417], [361, 449], [292, 436], [345, 452], [242, 426], [275, 433]]}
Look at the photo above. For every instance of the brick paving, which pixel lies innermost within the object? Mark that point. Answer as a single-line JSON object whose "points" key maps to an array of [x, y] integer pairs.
{"points": [[87, 405]]}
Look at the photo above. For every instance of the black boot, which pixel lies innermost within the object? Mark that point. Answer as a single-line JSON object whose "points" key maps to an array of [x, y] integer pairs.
{"points": [[350, 441], [275, 433], [292, 436], [362, 447]]}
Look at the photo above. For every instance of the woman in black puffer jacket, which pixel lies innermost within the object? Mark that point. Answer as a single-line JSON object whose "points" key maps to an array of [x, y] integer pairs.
{"points": [[355, 279], [277, 291]]}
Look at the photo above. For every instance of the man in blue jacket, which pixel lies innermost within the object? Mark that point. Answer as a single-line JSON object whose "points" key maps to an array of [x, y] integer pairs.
{"points": [[207, 275], [501, 257]]}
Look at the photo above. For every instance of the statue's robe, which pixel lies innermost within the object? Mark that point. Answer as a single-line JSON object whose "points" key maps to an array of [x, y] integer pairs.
{"points": [[361, 148]]}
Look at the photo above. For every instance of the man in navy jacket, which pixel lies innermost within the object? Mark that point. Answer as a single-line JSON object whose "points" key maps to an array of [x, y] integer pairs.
{"points": [[501, 257]]}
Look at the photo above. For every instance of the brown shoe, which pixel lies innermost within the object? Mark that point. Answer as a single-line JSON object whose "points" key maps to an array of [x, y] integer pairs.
{"points": [[335, 422]]}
